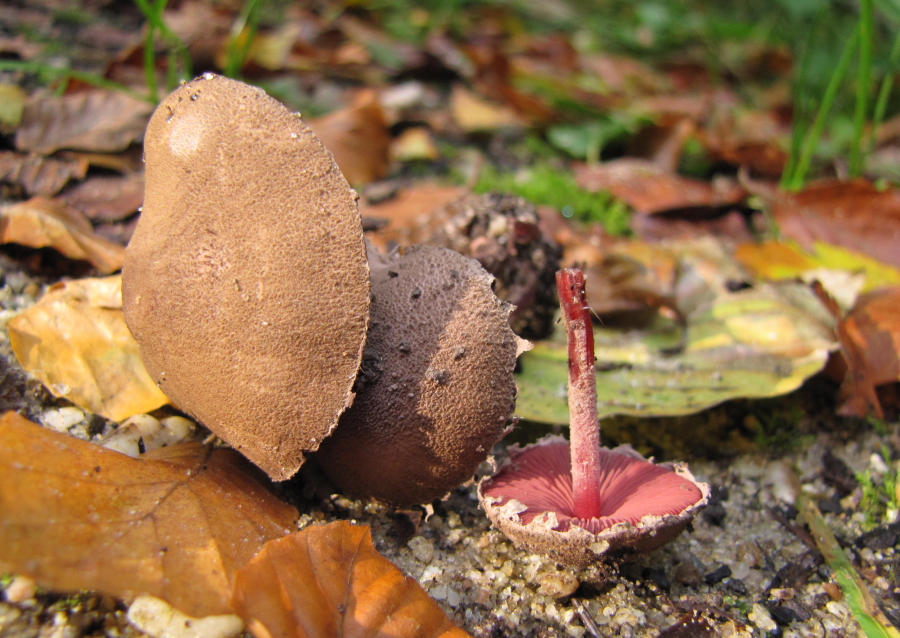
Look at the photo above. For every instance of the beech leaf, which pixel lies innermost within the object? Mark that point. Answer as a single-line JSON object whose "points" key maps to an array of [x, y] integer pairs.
{"points": [[76, 342], [100, 120], [176, 524], [40, 175], [327, 581], [41, 222]]}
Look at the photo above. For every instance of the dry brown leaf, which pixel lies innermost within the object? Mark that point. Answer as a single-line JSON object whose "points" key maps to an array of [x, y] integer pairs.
{"points": [[327, 581], [854, 214], [40, 175], [107, 198], [176, 524], [97, 120], [76, 342], [870, 343], [408, 214], [41, 222], [358, 137], [649, 189]]}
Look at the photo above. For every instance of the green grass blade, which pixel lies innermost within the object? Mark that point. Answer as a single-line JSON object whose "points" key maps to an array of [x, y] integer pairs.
{"points": [[812, 137], [884, 92], [866, 35], [863, 607]]}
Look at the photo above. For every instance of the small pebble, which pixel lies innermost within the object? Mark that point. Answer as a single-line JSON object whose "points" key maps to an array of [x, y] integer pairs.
{"points": [[158, 619], [20, 590], [62, 419], [422, 549]]}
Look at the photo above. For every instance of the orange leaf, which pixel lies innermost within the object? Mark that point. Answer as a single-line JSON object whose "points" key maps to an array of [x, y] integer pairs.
{"points": [[41, 222], [176, 524], [327, 581], [870, 341]]}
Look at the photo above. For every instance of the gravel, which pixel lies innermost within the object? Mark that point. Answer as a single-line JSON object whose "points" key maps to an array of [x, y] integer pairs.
{"points": [[743, 570]]}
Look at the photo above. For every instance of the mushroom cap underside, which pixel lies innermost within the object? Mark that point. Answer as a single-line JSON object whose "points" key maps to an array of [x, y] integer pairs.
{"points": [[643, 505]]}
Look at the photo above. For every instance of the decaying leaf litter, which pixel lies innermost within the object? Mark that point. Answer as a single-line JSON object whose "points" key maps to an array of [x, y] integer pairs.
{"points": [[744, 568]]}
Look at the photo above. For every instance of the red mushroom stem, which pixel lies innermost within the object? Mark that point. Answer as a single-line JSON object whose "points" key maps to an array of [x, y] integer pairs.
{"points": [[584, 428]]}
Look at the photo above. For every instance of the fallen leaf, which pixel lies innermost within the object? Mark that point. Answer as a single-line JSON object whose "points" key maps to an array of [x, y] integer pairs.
{"points": [[828, 264], [107, 198], [40, 222], [415, 143], [855, 215], [76, 342], [755, 342], [98, 120], [649, 189], [39, 175], [358, 137], [408, 213], [328, 580], [12, 103], [473, 114], [870, 343], [176, 524]]}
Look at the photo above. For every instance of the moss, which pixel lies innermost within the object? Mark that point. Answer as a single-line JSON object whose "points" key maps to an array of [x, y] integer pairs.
{"points": [[546, 186]]}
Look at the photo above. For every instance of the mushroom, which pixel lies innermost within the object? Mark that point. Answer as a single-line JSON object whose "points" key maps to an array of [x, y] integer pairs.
{"points": [[246, 284], [578, 502], [436, 387]]}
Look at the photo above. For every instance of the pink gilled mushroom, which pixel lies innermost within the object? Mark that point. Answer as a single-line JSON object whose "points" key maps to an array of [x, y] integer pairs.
{"points": [[615, 503]]}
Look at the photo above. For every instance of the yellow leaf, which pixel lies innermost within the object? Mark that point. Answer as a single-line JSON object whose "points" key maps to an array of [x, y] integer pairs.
{"points": [[76, 342]]}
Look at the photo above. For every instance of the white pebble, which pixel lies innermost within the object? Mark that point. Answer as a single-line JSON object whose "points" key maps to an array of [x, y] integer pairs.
{"points": [[143, 433], [160, 620], [422, 549], [21, 589], [760, 617], [63, 418]]}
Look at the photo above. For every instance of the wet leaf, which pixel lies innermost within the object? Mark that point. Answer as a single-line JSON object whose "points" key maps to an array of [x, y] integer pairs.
{"points": [[40, 175], [76, 342], [98, 120], [855, 215], [176, 524], [41, 223], [756, 342], [358, 137], [328, 580], [649, 189]]}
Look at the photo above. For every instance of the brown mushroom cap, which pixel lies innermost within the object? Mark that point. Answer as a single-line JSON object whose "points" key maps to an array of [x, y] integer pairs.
{"points": [[246, 284], [644, 505], [436, 387]]}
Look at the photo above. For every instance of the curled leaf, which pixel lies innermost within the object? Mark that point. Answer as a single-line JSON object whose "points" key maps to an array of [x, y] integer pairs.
{"points": [[41, 222], [175, 525], [328, 580], [76, 342]]}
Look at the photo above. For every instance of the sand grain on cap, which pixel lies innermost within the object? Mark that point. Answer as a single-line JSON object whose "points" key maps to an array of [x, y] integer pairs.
{"points": [[246, 282]]}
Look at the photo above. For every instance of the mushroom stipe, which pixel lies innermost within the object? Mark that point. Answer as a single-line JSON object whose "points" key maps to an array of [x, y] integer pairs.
{"points": [[577, 502]]}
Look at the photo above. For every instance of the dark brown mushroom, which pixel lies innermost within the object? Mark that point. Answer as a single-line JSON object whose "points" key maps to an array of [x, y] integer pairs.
{"points": [[246, 284], [578, 502], [436, 387]]}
